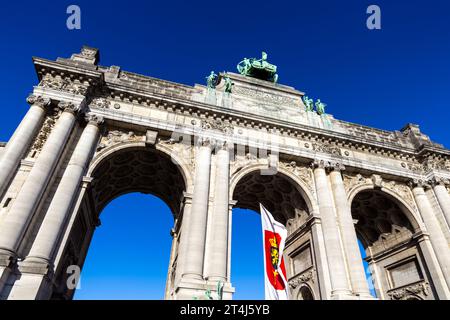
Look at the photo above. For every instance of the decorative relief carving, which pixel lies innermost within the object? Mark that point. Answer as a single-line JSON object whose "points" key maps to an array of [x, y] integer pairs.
{"points": [[351, 182], [435, 164], [420, 289], [303, 173], [118, 136], [217, 124], [266, 97], [60, 84], [43, 134], [326, 148], [101, 103], [243, 161], [302, 278]]}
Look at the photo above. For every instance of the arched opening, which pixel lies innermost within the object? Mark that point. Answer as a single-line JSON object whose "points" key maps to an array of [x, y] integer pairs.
{"points": [[305, 293], [124, 173], [392, 256], [282, 197], [129, 253]]}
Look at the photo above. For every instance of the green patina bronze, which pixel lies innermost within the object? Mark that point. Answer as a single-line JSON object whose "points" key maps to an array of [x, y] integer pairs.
{"points": [[211, 80], [228, 84], [309, 103], [258, 68], [320, 107]]}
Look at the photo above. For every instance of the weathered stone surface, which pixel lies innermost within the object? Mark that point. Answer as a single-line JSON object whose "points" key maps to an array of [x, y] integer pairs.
{"points": [[207, 150]]}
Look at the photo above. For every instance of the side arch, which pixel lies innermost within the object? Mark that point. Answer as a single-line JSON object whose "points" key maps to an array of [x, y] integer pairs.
{"points": [[185, 171], [410, 212]]}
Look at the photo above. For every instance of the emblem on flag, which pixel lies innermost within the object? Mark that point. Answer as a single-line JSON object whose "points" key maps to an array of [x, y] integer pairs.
{"points": [[274, 237]]}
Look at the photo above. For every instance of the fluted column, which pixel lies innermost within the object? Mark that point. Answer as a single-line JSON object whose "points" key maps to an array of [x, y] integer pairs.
{"points": [[21, 139], [349, 238], [437, 238], [195, 246], [59, 209], [333, 248], [442, 196], [16, 221], [217, 268]]}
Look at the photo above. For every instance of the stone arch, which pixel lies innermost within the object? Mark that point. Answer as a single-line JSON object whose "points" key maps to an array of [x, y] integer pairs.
{"points": [[300, 185], [137, 168], [305, 292], [182, 165], [123, 168], [388, 228], [409, 211]]}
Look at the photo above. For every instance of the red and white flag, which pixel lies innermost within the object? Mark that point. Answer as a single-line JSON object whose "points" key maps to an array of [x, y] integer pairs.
{"points": [[274, 237]]}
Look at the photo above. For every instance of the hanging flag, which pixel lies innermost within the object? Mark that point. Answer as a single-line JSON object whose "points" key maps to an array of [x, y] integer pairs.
{"points": [[274, 237]]}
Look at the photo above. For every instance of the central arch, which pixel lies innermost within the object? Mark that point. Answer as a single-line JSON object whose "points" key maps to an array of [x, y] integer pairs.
{"points": [[116, 171], [288, 199]]}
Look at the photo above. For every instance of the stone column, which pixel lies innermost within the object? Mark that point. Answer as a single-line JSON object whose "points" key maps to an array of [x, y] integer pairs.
{"points": [[21, 139], [432, 263], [437, 238], [217, 270], [184, 233], [195, 247], [349, 238], [16, 222], [333, 248], [59, 209], [442, 196]]}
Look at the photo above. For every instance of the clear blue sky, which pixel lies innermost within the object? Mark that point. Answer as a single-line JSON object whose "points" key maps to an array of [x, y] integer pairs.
{"points": [[382, 78]]}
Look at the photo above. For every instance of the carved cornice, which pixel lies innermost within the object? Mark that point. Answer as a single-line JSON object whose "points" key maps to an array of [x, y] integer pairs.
{"points": [[65, 85]]}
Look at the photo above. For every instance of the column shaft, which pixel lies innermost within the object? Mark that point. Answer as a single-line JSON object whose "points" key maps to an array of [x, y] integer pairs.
{"points": [[195, 248], [335, 258], [19, 216], [219, 237], [19, 143], [58, 211], [438, 241], [444, 200], [350, 240]]}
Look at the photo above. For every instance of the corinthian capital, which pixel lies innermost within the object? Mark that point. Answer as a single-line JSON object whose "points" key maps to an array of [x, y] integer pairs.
{"points": [[321, 164], [68, 106], [94, 119], [418, 183], [439, 181], [336, 166], [38, 101]]}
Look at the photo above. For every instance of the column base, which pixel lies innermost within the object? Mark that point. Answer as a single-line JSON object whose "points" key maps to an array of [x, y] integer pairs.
{"points": [[195, 289], [33, 281], [351, 296]]}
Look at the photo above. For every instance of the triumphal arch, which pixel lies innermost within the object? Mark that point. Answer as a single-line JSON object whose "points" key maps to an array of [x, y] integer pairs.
{"points": [[93, 133]]}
